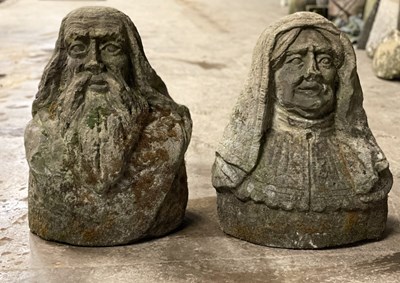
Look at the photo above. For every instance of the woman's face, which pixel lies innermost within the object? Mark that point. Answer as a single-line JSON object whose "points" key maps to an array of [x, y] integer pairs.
{"points": [[305, 82]]}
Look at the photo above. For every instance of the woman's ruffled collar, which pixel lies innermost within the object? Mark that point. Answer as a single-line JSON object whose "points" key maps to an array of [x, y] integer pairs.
{"points": [[286, 121]]}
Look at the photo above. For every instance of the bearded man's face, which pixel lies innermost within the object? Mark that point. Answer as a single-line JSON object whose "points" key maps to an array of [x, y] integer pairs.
{"points": [[100, 116], [97, 50]]}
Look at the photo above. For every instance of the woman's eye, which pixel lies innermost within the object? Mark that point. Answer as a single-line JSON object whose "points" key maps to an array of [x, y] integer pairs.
{"points": [[111, 48], [77, 49]]}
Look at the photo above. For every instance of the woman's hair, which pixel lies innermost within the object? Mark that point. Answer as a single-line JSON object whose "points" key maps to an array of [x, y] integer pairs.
{"points": [[285, 39]]}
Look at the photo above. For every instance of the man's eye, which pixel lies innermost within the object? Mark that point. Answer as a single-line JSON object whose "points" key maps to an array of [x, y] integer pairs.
{"points": [[295, 61], [325, 61], [111, 48], [77, 49]]}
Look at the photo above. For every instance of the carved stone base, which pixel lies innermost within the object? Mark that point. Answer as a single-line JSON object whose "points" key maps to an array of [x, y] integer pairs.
{"points": [[116, 218], [262, 225]]}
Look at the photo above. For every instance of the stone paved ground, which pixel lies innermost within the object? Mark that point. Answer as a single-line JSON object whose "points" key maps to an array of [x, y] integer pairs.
{"points": [[202, 50]]}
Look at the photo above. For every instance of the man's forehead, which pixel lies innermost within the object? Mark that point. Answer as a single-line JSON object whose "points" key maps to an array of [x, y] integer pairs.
{"points": [[92, 27]]}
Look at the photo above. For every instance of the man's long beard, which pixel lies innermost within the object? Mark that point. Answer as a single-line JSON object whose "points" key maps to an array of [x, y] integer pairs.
{"points": [[100, 130]]}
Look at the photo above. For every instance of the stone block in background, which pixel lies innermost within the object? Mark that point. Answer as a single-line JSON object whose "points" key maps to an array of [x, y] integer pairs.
{"points": [[386, 62], [368, 8], [386, 20], [369, 18]]}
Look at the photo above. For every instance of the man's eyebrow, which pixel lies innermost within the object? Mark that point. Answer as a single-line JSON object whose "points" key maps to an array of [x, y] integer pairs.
{"points": [[77, 34], [327, 50], [113, 35], [297, 51]]}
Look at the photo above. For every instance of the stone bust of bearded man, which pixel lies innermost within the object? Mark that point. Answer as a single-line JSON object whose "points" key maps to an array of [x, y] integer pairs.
{"points": [[298, 166], [106, 143]]}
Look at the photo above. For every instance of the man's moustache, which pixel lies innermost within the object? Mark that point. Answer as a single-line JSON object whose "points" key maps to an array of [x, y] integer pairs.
{"points": [[73, 99], [82, 80]]}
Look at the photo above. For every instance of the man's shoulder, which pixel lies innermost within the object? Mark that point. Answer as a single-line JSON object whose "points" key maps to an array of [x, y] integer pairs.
{"points": [[164, 113]]}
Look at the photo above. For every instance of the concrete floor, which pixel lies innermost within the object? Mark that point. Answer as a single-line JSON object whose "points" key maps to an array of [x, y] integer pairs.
{"points": [[202, 50]]}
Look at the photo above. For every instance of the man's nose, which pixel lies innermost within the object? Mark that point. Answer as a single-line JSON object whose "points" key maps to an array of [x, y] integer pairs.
{"points": [[93, 62], [311, 68]]}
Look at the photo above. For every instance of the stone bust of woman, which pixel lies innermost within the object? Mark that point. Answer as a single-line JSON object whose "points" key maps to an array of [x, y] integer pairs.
{"points": [[298, 166]]}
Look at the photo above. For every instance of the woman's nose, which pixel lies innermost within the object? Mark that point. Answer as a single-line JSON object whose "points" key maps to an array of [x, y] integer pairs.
{"points": [[311, 68]]}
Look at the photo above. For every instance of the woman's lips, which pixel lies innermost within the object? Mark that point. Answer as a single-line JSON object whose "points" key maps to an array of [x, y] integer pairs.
{"points": [[310, 88]]}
